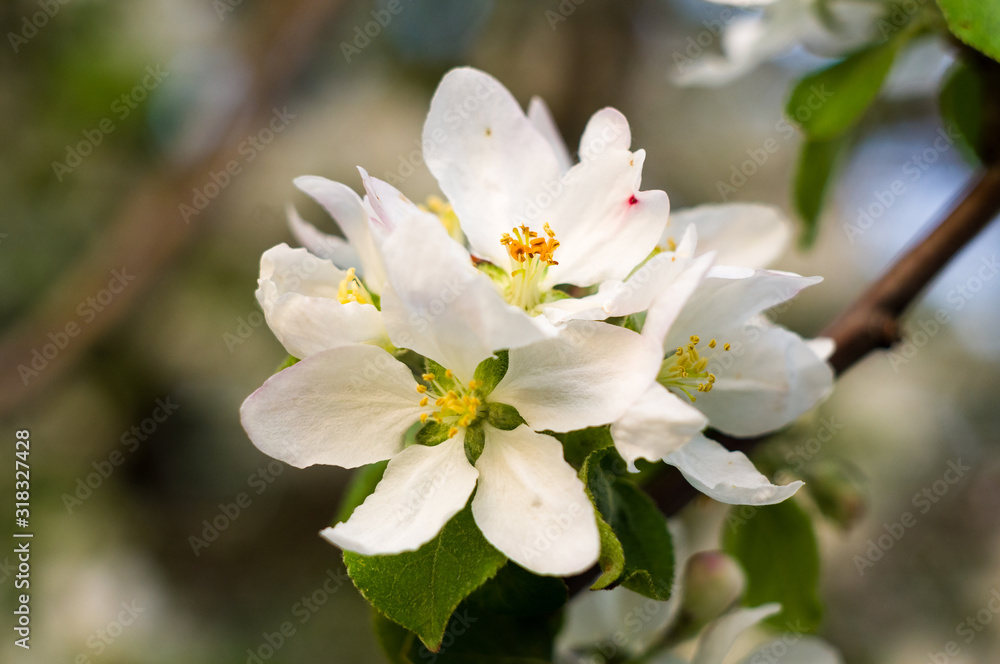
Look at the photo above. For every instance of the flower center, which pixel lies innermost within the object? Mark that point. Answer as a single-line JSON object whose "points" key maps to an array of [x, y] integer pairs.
{"points": [[454, 403], [446, 214], [687, 369], [530, 256], [351, 289]]}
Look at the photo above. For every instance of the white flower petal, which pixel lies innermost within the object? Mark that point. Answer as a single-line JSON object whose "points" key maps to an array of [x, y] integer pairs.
{"points": [[541, 118], [769, 380], [347, 407], [824, 347], [586, 376], [607, 129], [531, 505], [721, 304], [489, 159], [740, 234], [657, 424], [442, 307], [720, 636], [795, 649], [391, 207], [331, 247], [348, 210], [298, 293], [669, 301], [605, 226], [423, 487], [728, 477]]}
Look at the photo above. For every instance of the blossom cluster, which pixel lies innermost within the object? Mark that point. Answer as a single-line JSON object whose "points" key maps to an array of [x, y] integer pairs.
{"points": [[458, 337]]}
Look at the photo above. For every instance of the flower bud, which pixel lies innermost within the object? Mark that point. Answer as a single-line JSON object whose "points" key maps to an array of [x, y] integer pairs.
{"points": [[713, 582]]}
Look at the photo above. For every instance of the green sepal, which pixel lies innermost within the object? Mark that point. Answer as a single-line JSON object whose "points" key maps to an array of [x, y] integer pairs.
{"points": [[421, 589], [777, 548], [475, 440], [433, 433], [553, 295], [497, 274], [490, 372], [285, 363], [503, 417], [440, 374]]}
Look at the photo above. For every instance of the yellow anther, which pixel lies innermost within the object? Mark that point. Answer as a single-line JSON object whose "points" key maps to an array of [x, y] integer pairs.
{"points": [[350, 289], [452, 431], [421, 388], [671, 245], [725, 347], [448, 373], [474, 384], [423, 402], [686, 370], [525, 244], [445, 214], [429, 377], [423, 418]]}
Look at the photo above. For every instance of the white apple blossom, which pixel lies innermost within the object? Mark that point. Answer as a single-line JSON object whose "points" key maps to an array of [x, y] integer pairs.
{"points": [[726, 366], [351, 405], [827, 27], [523, 206]]}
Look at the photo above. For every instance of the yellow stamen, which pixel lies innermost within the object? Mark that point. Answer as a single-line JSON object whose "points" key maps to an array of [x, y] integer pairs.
{"points": [[421, 388], [686, 370], [350, 289]]}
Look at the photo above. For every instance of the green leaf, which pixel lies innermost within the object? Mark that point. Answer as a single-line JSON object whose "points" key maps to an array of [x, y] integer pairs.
{"points": [[433, 433], [287, 362], [473, 638], [362, 485], [638, 525], [961, 102], [491, 371], [579, 444], [611, 559], [504, 417], [829, 102], [515, 591], [817, 162], [777, 547], [421, 589], [976, 22]]}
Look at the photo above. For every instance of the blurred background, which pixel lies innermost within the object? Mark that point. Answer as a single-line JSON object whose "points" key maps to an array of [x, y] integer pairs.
{"points": [[129, 333]]}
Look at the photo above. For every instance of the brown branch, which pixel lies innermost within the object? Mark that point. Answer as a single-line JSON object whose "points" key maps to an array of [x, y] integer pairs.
{"points": [[872, 321], [148, 231]]}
